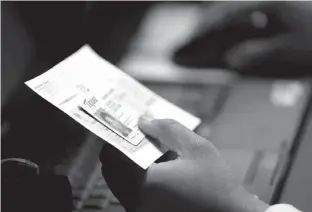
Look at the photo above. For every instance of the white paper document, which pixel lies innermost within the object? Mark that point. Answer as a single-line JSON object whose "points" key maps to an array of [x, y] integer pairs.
{"points": [[108, 102]]}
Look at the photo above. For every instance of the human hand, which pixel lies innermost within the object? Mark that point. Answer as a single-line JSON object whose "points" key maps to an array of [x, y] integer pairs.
{"points": [[284, 42], [198, 179]]}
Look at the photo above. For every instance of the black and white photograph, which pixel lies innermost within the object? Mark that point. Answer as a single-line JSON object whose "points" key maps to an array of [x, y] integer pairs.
{"points": [[214, 106]]}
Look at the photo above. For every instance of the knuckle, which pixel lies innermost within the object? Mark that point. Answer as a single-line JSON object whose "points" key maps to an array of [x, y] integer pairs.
{"points": [[198, 146]]}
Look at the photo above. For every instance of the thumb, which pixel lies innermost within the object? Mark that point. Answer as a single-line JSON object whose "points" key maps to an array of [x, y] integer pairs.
{"points": [[255, 52], [172, 135]]}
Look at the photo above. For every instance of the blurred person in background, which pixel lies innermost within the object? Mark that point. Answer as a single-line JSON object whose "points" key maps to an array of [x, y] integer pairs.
{"points": [[254, 38]]}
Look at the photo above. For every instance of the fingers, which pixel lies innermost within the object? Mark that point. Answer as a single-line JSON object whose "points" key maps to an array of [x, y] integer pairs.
{"points": [[127, 181], [124, 178], [172, 135], [255, 52], [220, 14]]}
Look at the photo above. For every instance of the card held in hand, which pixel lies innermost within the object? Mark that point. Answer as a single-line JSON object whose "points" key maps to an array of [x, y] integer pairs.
{"points": [[108, 102]]}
